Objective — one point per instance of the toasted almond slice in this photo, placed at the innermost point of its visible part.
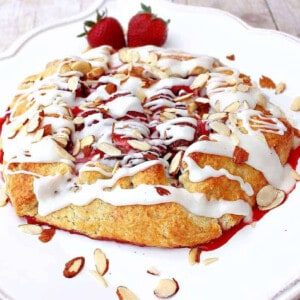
(166, 288)
(99, 277)
(34, 123)
(38, 135)
(125, 293)
(220, 128)
(217, 116)
(209, 260)
(175, 163)
(73, 83)
(139, 145)
(46, 235)
(78, 120)
(81, 66)
(101, 262)
(235, 140)
(261, 100)
(243, 88)
(109, 149)
(194, 255)
(202, 100)
(33, 229)
(280, 88)
(76, 148)
(61, 140)
(3, 197)
(64, 154)
(269, 197)
(153, 271)
(137, 134)
(183, 98)
(233, 107)
(73, 267)
(168, 115)
(295, 105)
(87, 141)
(200, 81)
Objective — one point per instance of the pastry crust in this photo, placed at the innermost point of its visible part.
(165, 113)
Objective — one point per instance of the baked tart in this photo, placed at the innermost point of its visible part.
(149, 146)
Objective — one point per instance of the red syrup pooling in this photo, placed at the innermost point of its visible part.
(257, 215)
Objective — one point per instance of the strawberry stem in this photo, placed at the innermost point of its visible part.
(87, 25)
(148, 10)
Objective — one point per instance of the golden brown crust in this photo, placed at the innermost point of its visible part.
(163, 224)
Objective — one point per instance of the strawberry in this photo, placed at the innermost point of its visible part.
(105, 31)
(145, 28)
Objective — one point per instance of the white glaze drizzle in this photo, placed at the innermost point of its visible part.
(113, 108)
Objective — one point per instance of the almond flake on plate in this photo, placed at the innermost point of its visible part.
(166, 288)
(209, 260)
(99, 277)
(101, 262)
(194, 255)
(31, 229)
(125, 293)
(73, 267)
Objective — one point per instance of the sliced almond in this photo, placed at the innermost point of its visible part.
(73, 267)
(95, 73)
(61, 140)
(33, 229)
(280, 88)
(162, 191)
(217, 116)
(78, 120)
(269, 197)
(47, 235)
(233, 107)
(38, 135)
(235, 140)
(261, 100)
(109, 149)
(99, 277)
(166, 288)
(87, 141)
(101, 262)
(200, 81)
(76, 148)
(194, 255)
(34, 123)
(166, 115)
(220, 128)
(81, 66)
(243, 88)
(176, 163)
(202, 100)
(64, 154)
(3, 197)
(183, 98)
(110, 88)
(73, 83)
(209, 260)
(125, 293)
(139, 145)
(153, 271)
(295, 105)
(266, 82)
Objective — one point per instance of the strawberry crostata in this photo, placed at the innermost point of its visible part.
(146, 145)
